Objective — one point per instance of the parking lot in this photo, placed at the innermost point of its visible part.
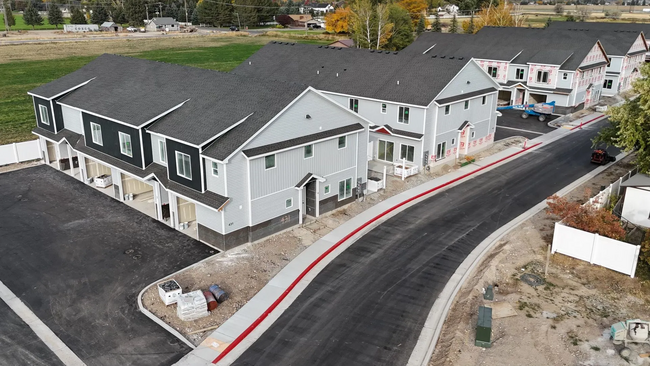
(511, 124)
(78, 259)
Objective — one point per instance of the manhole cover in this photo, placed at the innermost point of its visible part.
(531, 279)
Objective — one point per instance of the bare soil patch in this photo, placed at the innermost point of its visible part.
(564, 322)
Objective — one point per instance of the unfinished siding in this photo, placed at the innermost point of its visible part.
(72, 119)
(155, 149)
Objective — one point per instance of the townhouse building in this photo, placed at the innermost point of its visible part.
(423, 110)
(224, 158)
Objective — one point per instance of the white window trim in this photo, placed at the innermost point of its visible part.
(290, 204)
(178, 173)
(400, 152)
(383, 108)
(46, 120)
(523, 74)
(121, 135)
(409, 115)
(93, 135)
(304, 153)
(385, 143)
(344, 196)
(338, 144)
(275, 163)
(466, 105)
(212, 168)
(162, 151)
(444, 151)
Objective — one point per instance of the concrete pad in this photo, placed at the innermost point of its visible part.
(501, 309)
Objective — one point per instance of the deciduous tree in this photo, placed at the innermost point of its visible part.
(586, 218)
(384, 26)
(31, 16)
(415, 8)
(499, 15)
(558, 9)
(402, 28)
(338, 21)
(363, 23)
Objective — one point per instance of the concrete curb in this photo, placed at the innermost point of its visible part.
(433, 326)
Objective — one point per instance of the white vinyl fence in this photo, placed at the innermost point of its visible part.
(601, 200)
(596, 249)
(19, 152)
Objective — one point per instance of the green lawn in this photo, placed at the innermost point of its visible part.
(20, 24)
(16, 78)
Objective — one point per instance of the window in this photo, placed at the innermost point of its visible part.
(608, 84)
(183, 165)
(96, 132)
(309, 151)
(565, 76)
(288, 203)
(542, 76)
(125, 144)
(519, 74)
(407, 152)
(327, 189)
(492, 71)
(215, 169)
(342, 142)
(345, 189)
(484, 100)
(441, 150)
(385, 151)
(354, 105)
(269, 161)
(383, 108)
(403, 116)
(447, 108)
(466, 104)
(162, 150)
(45, 117)
(453, 142)
(473, 134)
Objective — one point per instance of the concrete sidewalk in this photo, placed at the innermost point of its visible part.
(258, 306)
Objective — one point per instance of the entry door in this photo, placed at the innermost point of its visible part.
(303, 197)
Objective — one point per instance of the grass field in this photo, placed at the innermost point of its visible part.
(28, 70)
(20, 24)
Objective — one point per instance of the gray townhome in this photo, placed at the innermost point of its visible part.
(530, 65)
(424, 110)
(225, 158)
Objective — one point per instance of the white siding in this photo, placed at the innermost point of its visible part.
(72, 119)
(215, 184)
(274, 205)
(155, 149)
(209, 218)
(236, 211)
(469, 79)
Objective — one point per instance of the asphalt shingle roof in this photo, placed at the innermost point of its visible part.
(404, 77)
(137, 91)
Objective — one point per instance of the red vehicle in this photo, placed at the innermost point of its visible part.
(601, 157)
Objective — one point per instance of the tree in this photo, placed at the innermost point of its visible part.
(11, 21)
(77, 16)
(195, 16)
(437, 26)
(586, 217)
(214, 13)
(630, 123)
(55, 16)
(570, 18)
(338, 21)
(362, 23)
(415, 8)
(171, 11)
(118, 15)
(500, 15)
(453, 28)
(135, 12)
(402, 28)
(559, 9)
(548, 22)
(99, 15)
(31, 16)
(469, 27)
(645, 248)
(613, 14)
(384, 26)
(583, 14)
(421, 26)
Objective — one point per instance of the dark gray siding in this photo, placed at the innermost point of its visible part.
(58, 116)
(172, 147)
(111, 141)
(46, 103)
(146, 143)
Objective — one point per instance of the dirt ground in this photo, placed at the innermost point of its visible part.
(12, 167)
(563, 322)
(243, 271)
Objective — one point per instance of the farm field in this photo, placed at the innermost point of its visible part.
(24, 67)
(20, 23)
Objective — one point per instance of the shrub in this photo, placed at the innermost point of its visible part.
(586, 218)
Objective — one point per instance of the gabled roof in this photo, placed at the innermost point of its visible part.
(164, 20)
(106, 24)
(616, 38)
(207, 102)
(408, 78)
(637, 180)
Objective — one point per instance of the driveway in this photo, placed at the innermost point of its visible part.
(368, 306)
(511, 124)
(78, 259)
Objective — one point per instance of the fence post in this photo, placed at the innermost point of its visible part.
(635, 261)
(593, 248)
(15, 152)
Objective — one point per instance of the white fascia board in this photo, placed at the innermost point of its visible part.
(174, 139)
(472, 97)
(302, 145)
(63, 92)
(163, 114)
(392, 134)
(99, 115)
(537, 63)
(373, 99)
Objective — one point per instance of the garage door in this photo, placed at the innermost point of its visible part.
(186, 211)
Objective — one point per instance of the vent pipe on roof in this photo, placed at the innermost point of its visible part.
(250, 63)
(337, 74)
(397, 82)
(317, 72)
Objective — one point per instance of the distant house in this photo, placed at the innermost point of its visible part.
(636, 204)
(79, 28)
(293, 20)
(345, 43)
(320, 9)
(110, 27)
(162, 24)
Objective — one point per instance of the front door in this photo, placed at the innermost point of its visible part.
(303, 197)
(310, 202)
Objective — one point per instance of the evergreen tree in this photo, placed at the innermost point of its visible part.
(55, 16)
(171, 11)
(402, 28)
(471, 28)
(11, 21)
(215, 13)
(548, 22)
(437, 26)
(195, 16)
(421, 26)
(77, 17)
(31, 16)
(454, 25)
(135, 12)
(99, 15)
(118, 16)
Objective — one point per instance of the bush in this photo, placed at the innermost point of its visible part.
(644, 255)
(586, 218)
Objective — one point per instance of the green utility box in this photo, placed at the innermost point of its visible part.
(484, 327)
(489, 293)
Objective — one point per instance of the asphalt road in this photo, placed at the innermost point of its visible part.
(368, 306)
(78, 259)
(511, 124)
(19, 345)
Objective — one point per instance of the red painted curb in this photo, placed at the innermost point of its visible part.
(248, 330)
(591, 120)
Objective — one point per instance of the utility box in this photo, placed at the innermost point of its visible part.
(489, 293)
(484, 327)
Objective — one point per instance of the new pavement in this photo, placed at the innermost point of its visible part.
(368, 306)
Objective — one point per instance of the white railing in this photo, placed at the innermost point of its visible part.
(19, 152)
(405, 170)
